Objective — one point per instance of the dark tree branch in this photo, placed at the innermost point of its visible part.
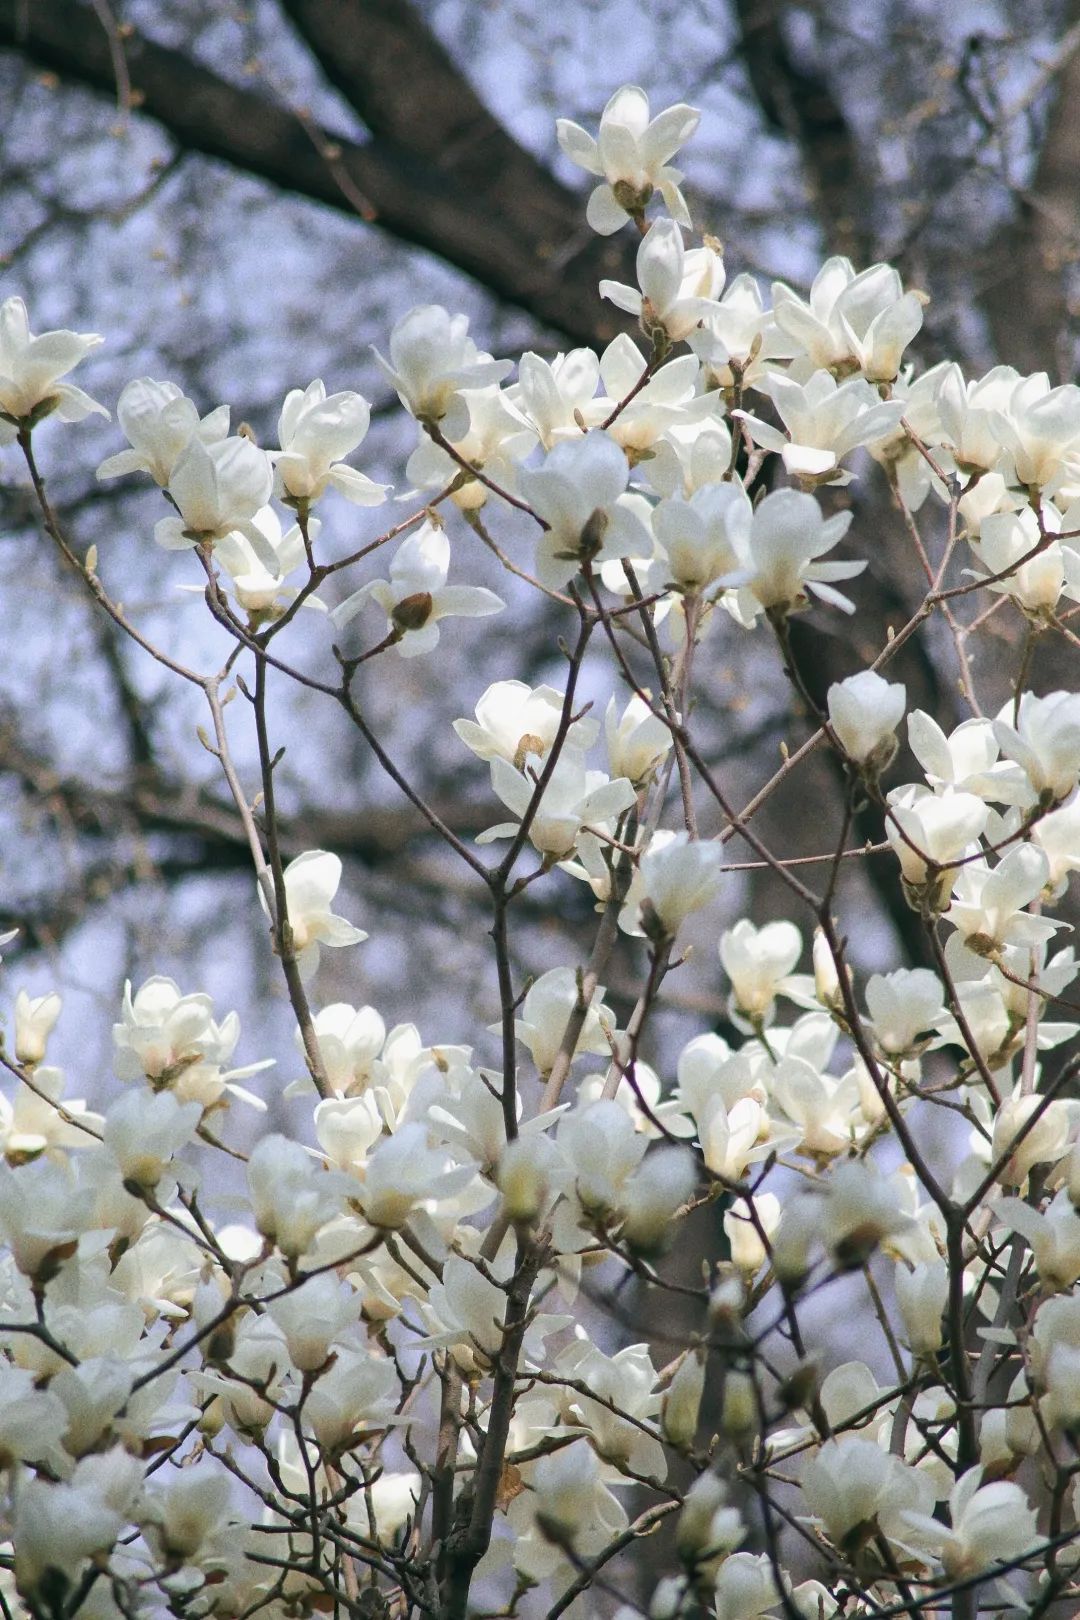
(523, 237)
(1027, 274)
(796, 98)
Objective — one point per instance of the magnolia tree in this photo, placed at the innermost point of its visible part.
(378, 1377)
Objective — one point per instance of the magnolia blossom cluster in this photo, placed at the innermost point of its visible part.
(375, 1375)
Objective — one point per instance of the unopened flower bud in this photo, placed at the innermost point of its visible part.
(682, 1402)
(727, 1302)
(826, 978)
(746, 1237)
(708, 1528)
(791, 1249)
(922, 1295)
(668, 1598)
(739, 1412)
(522, 1179)
(864, 712)
(1044, 1141)
(654, 1194)
(1071, 1169)
(35, 1019)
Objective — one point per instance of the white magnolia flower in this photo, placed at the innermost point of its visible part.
(43, 1210)
(678, 287)
(568, 1507)
(904, 462)
(653, 1196)
(990, 1524)
(970, 412)
(144, 1131)
(356, 1393)
(667, 401)
(632, 155)
(573, 798)
(416, 596)
(257, 579)
(259, 1360)
(44, 1120)
(291, 1197)
(988, 904)
(856, 1210)
(966, 759)
(695, 537)
(852, 322)
(32, 1420)
(311, 882)
(316, 433)
(638, 741)
(189, 1511)
(625, 1381)
(30, 369)
(390, 1501)
(347, 1129)
(1058, 836)
(708, 1527)
(350, 1040)
(903, 1006)
(173, 1040)
(1046, 1129)
(498, 438)
(558, 397)
(739, 336)
(313, 1316)
(35, 1020)
(852, 1484)
(467, 1309)
(432, 358)
(93, 1393)
(527, 1170)
(515, 722)
(825, 420)
(1044, 742)
(824, 1109)
(217, 487)
(922, 1293)
(1036, 585)
(1053, 1235)
(745, 1588)
(778, 544)
(604, 1151)
(747, 1238)
(757, 960)
(159, 422)
(932, 829)
(404, 1172)
(576, 493)
(678, 877)
(58, 1525)
(989, 494)
(1040, 427)
(864, 711)
(546, 1011)
(732, 1135)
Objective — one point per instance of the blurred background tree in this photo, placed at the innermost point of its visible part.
(242, 198)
